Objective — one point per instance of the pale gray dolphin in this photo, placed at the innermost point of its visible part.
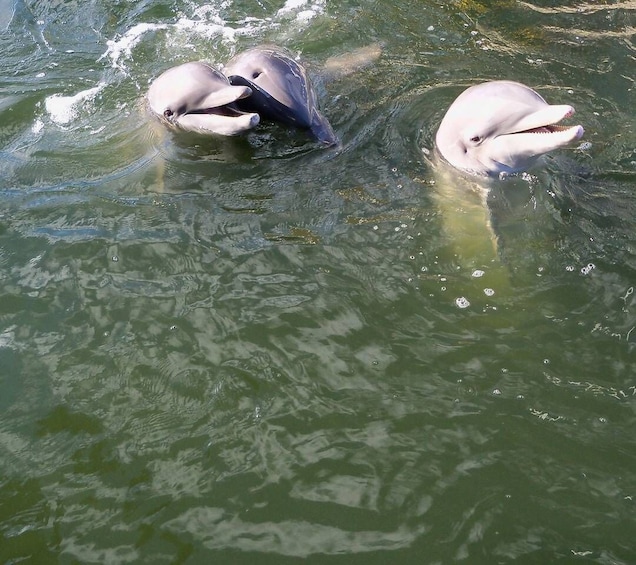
(501, 127)
(196, 97)
(281, 90)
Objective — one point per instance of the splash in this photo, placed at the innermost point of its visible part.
(303, 10)
(121, 48)
(206, 22)
(63, 109)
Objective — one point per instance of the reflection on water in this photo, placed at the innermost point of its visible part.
(256, 348)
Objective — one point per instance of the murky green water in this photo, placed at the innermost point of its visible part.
(252, 350)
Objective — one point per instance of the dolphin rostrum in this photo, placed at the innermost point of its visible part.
(281, 90)
(501, 127)
(196, 97)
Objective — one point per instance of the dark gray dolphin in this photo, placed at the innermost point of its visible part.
(281, 90)
(196, 97)
(502, 127)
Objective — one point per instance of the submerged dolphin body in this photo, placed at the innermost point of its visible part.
(501, 127)
(281, 90)
(196, 97)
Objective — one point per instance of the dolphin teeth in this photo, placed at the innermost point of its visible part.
(550, 128)
(228, 110)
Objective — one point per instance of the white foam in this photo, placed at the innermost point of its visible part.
(63, 109)
(208, 30)
(305, 10)
(122, 47)
(37, 126)
(206, 22)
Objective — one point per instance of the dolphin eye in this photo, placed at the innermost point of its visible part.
(167, 113)
(256, 74)
(475, 139)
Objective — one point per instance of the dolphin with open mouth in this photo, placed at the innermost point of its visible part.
(502, 127)
(281, 90)
(196, 97)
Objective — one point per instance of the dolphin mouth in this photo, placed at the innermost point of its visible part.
(225, 102)
(230, 110)
(531, 136)
(546, 121)
(550, 128)
(220, 113)
(572, 132)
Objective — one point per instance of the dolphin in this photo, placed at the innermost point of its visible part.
(196, 97)
(501, 127)
(281, 90)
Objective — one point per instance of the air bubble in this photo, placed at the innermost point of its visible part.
(489, 291)
(588, 268)
(462, 302)
(477, 273)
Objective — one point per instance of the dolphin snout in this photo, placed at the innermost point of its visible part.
(254, 120)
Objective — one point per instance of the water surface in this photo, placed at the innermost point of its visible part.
(258, 349)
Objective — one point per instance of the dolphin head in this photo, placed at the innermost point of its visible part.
(501, 127)
(196, 97)
(281, 90)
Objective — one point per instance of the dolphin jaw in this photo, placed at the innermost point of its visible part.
(541, 139)
(217, 113)
(545, 120)
(532, 136)
(218, 122)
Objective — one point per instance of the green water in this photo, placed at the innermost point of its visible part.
(257, 350)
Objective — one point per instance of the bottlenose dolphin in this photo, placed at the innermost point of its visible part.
(501, 127)
(196, 97)
(281, 90)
